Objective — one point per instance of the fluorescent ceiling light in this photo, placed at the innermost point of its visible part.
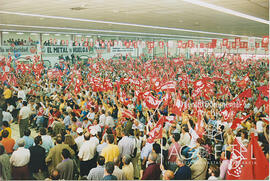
(67, 35)
(112, 31)
(88, 36)
(5, 32)
(46, 34)
(57, 34)
(19, 33)
(33, 34)
(116, 23)
(79, 35)
(178, 37)
(227, 11)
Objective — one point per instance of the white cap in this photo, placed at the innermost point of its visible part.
(93, 132)
(79, 130)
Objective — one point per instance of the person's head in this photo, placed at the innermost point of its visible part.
(116, 161)
(168, 175)
(152, 157)
(100, 160)
(109, 168)
(59, 139)
(80, 131)
(86, 136)
(2, 149)
(43, 131)
(214, 170)
(38, 140)
(55, 174)
(24, 103)
(176, 137)
(126, 159)
(65, 153)
(184, 128)
(27, 132)
(226, 155)
(69, 140)
(5, 124)
(156, 148)
(110, 138)
(5, 134)
(21, 142)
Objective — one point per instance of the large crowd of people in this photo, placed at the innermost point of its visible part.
(132, 119)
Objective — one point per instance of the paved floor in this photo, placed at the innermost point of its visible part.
(16, 134)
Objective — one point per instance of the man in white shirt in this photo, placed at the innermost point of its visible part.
(109, 121)
(7, 116)
(19, 160)
(87, 153)
(102, 118)
(95, 126)
(21, 93)
(23, 120)
(91, 114)
(80, 139)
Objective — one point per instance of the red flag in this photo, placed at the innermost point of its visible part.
(199, 127)
(247, 93)
(156, 132)
(238, 155)
(260, 102)
(128, 114)
(152, 102)
(228, 114)
(264, 90)
(244, 81)
(257, 166)
(239, 121)
(169, 86)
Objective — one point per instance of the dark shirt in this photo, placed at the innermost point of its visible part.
(110, 177)
(183, 173)
(152, 172)
(37, 158)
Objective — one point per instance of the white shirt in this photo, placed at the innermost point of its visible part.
(109, 121)
(21, 94)
(95, 127)
(7, 116)
(88, 149)
(194, 138)
(79, 141)
(25, 112)
(91, 115)
(259, 126)
(102, 119)
(20, 157)
(10, 108)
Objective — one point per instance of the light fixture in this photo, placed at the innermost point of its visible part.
(227, 11)
(88, 36)
(67, 35)
(46, 34)
(118, 23)
(79, 35)
(20, 33)
(5, 32)
(57, 34)
(33, 34)
(112, 31)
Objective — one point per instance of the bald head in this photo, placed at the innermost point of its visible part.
(168, 175)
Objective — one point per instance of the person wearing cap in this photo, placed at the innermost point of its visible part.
(79, 140)
(87, 153)
(19, 161)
